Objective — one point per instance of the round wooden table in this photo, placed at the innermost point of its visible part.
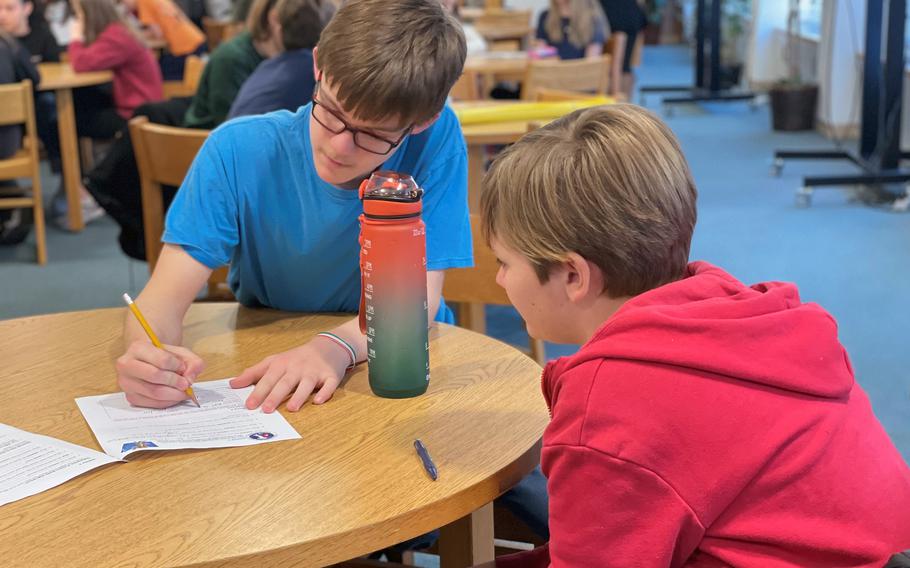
(351, 485)
(60, 78)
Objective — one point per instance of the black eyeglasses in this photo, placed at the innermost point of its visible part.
(332, 121)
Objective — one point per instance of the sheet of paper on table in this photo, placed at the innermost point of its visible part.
(31, 463)
(222, 421)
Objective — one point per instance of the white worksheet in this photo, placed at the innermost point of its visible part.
(222, 421)
(31, 463)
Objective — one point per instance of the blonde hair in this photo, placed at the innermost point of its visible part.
(392, 58)
(585, 15)
(257, 20)
(609, 183)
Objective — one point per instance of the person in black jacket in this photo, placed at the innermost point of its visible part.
(15, 66)
(24, 21)
(626, 16)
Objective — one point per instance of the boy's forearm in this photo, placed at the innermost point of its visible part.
(167, 327)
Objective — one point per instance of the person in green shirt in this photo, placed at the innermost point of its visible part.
(231, 64)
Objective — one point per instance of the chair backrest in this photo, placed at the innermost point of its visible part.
(465, 88)
(17, 107)
(15, 100)
(164, 155)
(192, 72)
(498, 19)
(477, 284)
(590, 75)
(217, 32)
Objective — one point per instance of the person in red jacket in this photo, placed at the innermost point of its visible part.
(101, 40)
(703, 422)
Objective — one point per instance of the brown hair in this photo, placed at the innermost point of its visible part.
(585, 16)
(257, 21)
(609, 183)
(97, 15)
(392, 58)
(302, 21)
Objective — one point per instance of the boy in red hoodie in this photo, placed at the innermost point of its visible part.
(703, 422)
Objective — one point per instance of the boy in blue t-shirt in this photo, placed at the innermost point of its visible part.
(275, 196)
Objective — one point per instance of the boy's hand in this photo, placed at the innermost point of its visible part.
(156, 378)
(316, 366)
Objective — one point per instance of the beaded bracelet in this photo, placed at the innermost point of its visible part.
(341, 343)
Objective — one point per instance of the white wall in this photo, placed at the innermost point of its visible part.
(839, 68)
(765, 62)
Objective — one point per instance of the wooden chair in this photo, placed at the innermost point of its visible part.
(473, 288)
(17, 107)
(466, 88)
(589, 75)
(217, 32)
(504, 30)
(164, 155)
(192, 73)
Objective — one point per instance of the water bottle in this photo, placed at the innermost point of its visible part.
(393, 293)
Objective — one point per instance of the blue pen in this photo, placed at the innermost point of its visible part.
(426, 459)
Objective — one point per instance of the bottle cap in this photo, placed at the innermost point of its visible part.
(390, 185)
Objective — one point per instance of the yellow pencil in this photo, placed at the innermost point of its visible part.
(148, 331)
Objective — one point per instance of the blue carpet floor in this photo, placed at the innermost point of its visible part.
(851, 258)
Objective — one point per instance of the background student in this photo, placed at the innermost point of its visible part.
(22, 20)
(232, 63)
(703, 422)
(163, 19)
(286, 81)
(100, 40)
(625, 16)
(15, 66)
(576, 28)
(114, 181)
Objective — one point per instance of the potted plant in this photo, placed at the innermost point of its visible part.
(793, 101)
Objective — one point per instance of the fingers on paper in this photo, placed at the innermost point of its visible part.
(143, 393)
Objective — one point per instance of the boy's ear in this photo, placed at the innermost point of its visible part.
(582, 278)
(315, 66)
(424, 125)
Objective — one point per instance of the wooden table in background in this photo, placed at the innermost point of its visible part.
(351, 485)
(60, 78)
(478, 136)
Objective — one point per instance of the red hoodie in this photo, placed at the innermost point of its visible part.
(137, 77)
(706, 424)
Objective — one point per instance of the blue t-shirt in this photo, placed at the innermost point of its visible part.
(285, 81)
(565, 48)
(252, 198)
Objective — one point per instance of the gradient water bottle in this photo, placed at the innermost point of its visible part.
(393, 295)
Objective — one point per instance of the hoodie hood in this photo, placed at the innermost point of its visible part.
(709, 322)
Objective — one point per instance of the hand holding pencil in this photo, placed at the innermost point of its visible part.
(155, 375)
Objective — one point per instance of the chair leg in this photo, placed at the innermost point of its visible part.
(38, 211)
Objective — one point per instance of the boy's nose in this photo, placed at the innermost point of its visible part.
(343, 144)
